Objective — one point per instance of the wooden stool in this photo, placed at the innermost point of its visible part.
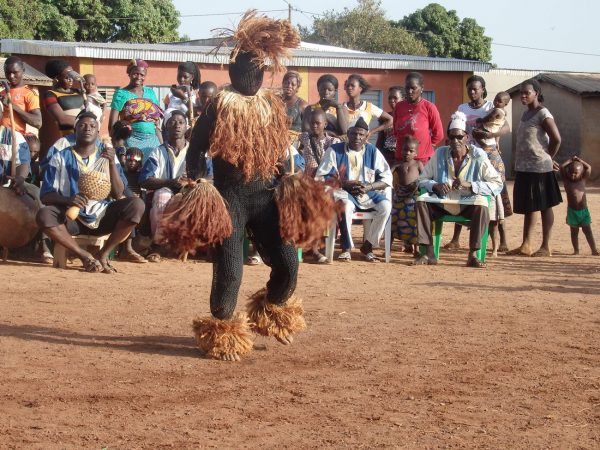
(83, 240)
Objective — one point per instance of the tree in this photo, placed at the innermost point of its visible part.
(363, 28)
(446, 35)
(148, 21)
(19, 20)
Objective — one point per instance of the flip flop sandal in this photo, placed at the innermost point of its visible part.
(320, 258)
(344, 256)
(108, 267)
(370, 257)
(133, 257)
(153, 258)
(424, 261)
(92, 265)
(253, 260)
(476, 264)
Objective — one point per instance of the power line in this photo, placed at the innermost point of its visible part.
(545, 49)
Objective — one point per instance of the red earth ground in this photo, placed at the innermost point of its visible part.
(394, 356)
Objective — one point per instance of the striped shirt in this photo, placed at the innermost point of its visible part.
(62, 177)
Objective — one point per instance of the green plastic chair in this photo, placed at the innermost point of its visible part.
(438, 224)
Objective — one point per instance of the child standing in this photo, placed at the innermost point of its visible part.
(574, 172)
(405, 174)
(120, 132)
(95, 101)
(206, 92)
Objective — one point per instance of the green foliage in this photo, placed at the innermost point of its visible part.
(147, 21)
(446, 35)
(18, 20)
(363, 28)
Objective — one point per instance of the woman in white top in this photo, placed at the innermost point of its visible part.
(477, 108)
(354, 86)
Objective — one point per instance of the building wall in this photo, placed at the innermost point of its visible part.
(567, 111)
(590, 134)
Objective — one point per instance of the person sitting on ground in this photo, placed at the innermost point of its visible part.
(457, 179)
(95, 103)
(60, 191)
(405, 175)
(365, 175)
(494, 120)
(164, 172)
(25, 100)
(574, 173)
(132, 165)
(337, 115)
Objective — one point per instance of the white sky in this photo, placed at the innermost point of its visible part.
(552, 24)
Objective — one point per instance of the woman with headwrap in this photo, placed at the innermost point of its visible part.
(62, 101)
(138, 105)
(244, 130)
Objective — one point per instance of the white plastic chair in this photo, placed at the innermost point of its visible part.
(364, 216)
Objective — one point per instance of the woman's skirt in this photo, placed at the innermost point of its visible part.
(146, 142)
(500, 206)
(535, 192)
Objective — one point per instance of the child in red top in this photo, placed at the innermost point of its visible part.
(417, 117)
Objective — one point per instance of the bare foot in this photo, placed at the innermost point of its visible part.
(230, 357)
(523, 250)
(542, 252)
(595, 252)
(452, 245)
(576, 252)
(494, 253)
(503, 248)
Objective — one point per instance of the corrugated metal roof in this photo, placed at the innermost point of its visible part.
(31, 76)
(583, 84)
(202, 54)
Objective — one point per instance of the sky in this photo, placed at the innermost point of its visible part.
(552, 24)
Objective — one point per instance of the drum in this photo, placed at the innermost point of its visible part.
(17, 219)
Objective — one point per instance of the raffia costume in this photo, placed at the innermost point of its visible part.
(244, 131)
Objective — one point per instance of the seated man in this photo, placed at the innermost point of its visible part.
(164, 172)
(365, 175)
(458, 178)
(60, 191)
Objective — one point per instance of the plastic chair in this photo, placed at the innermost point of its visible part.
(438, 224)
(360, 215)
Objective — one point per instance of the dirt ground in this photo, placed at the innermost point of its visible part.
(394, 356)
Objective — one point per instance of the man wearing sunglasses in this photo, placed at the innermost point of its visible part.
(458, 179)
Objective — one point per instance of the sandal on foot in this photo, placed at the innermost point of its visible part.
(424, 261)
(344, 256)
(153, 257)
(92, 265)
(320, 258)
(254, 260)
(132, 257)
(107, 267)
(474, 262)
(370, 257)
(452, 246)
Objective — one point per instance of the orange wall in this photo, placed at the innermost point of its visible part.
(448, 86)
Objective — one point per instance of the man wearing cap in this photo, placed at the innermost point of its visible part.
(365, 177)
(458, 179)
(60, 191)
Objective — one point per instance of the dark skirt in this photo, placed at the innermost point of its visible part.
(535, 192)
